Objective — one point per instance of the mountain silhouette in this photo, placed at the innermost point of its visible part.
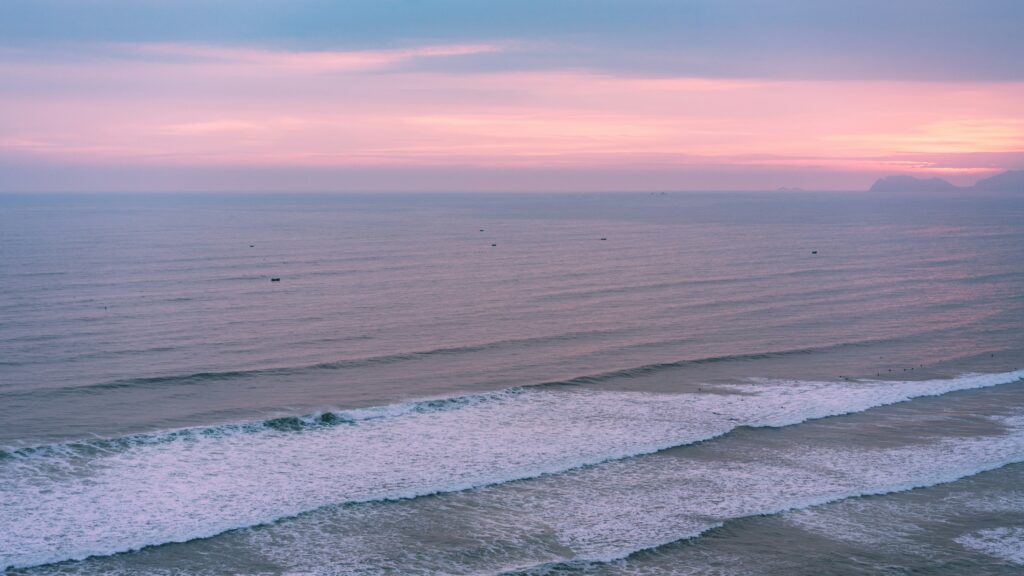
(1009, 181)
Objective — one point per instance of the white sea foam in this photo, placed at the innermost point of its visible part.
(609, 512)
(58, 507)
(1006, 543)
(906, 523)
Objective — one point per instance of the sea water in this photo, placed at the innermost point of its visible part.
(692, 383)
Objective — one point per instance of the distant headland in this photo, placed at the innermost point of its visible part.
(1009, 181)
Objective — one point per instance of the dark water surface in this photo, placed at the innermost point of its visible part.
(484, 384)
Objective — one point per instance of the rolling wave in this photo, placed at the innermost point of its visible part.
(591, 565)
(308, 422)
(384, 359)
(201, 482)
(591, 516)
(199, 378)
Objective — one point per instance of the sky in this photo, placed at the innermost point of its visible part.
(459, 95)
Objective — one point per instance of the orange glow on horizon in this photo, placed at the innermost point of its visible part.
(209, 106)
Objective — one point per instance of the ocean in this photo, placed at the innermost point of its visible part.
(686, 383)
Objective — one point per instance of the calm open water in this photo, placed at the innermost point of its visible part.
(766, 384)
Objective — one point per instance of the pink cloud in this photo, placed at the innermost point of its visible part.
(196, 105)
(306, 61)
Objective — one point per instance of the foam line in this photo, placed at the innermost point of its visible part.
(999, 543)
(72, 501)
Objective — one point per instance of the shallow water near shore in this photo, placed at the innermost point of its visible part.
(621, 384)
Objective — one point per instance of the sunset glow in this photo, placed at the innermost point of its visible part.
(230, 106)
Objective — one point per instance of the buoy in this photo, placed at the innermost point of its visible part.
(814, 251)
(493, 244)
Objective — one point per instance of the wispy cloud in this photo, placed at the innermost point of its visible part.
(208, 106)
(949, 136)
(307, 61)
(208, 127)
